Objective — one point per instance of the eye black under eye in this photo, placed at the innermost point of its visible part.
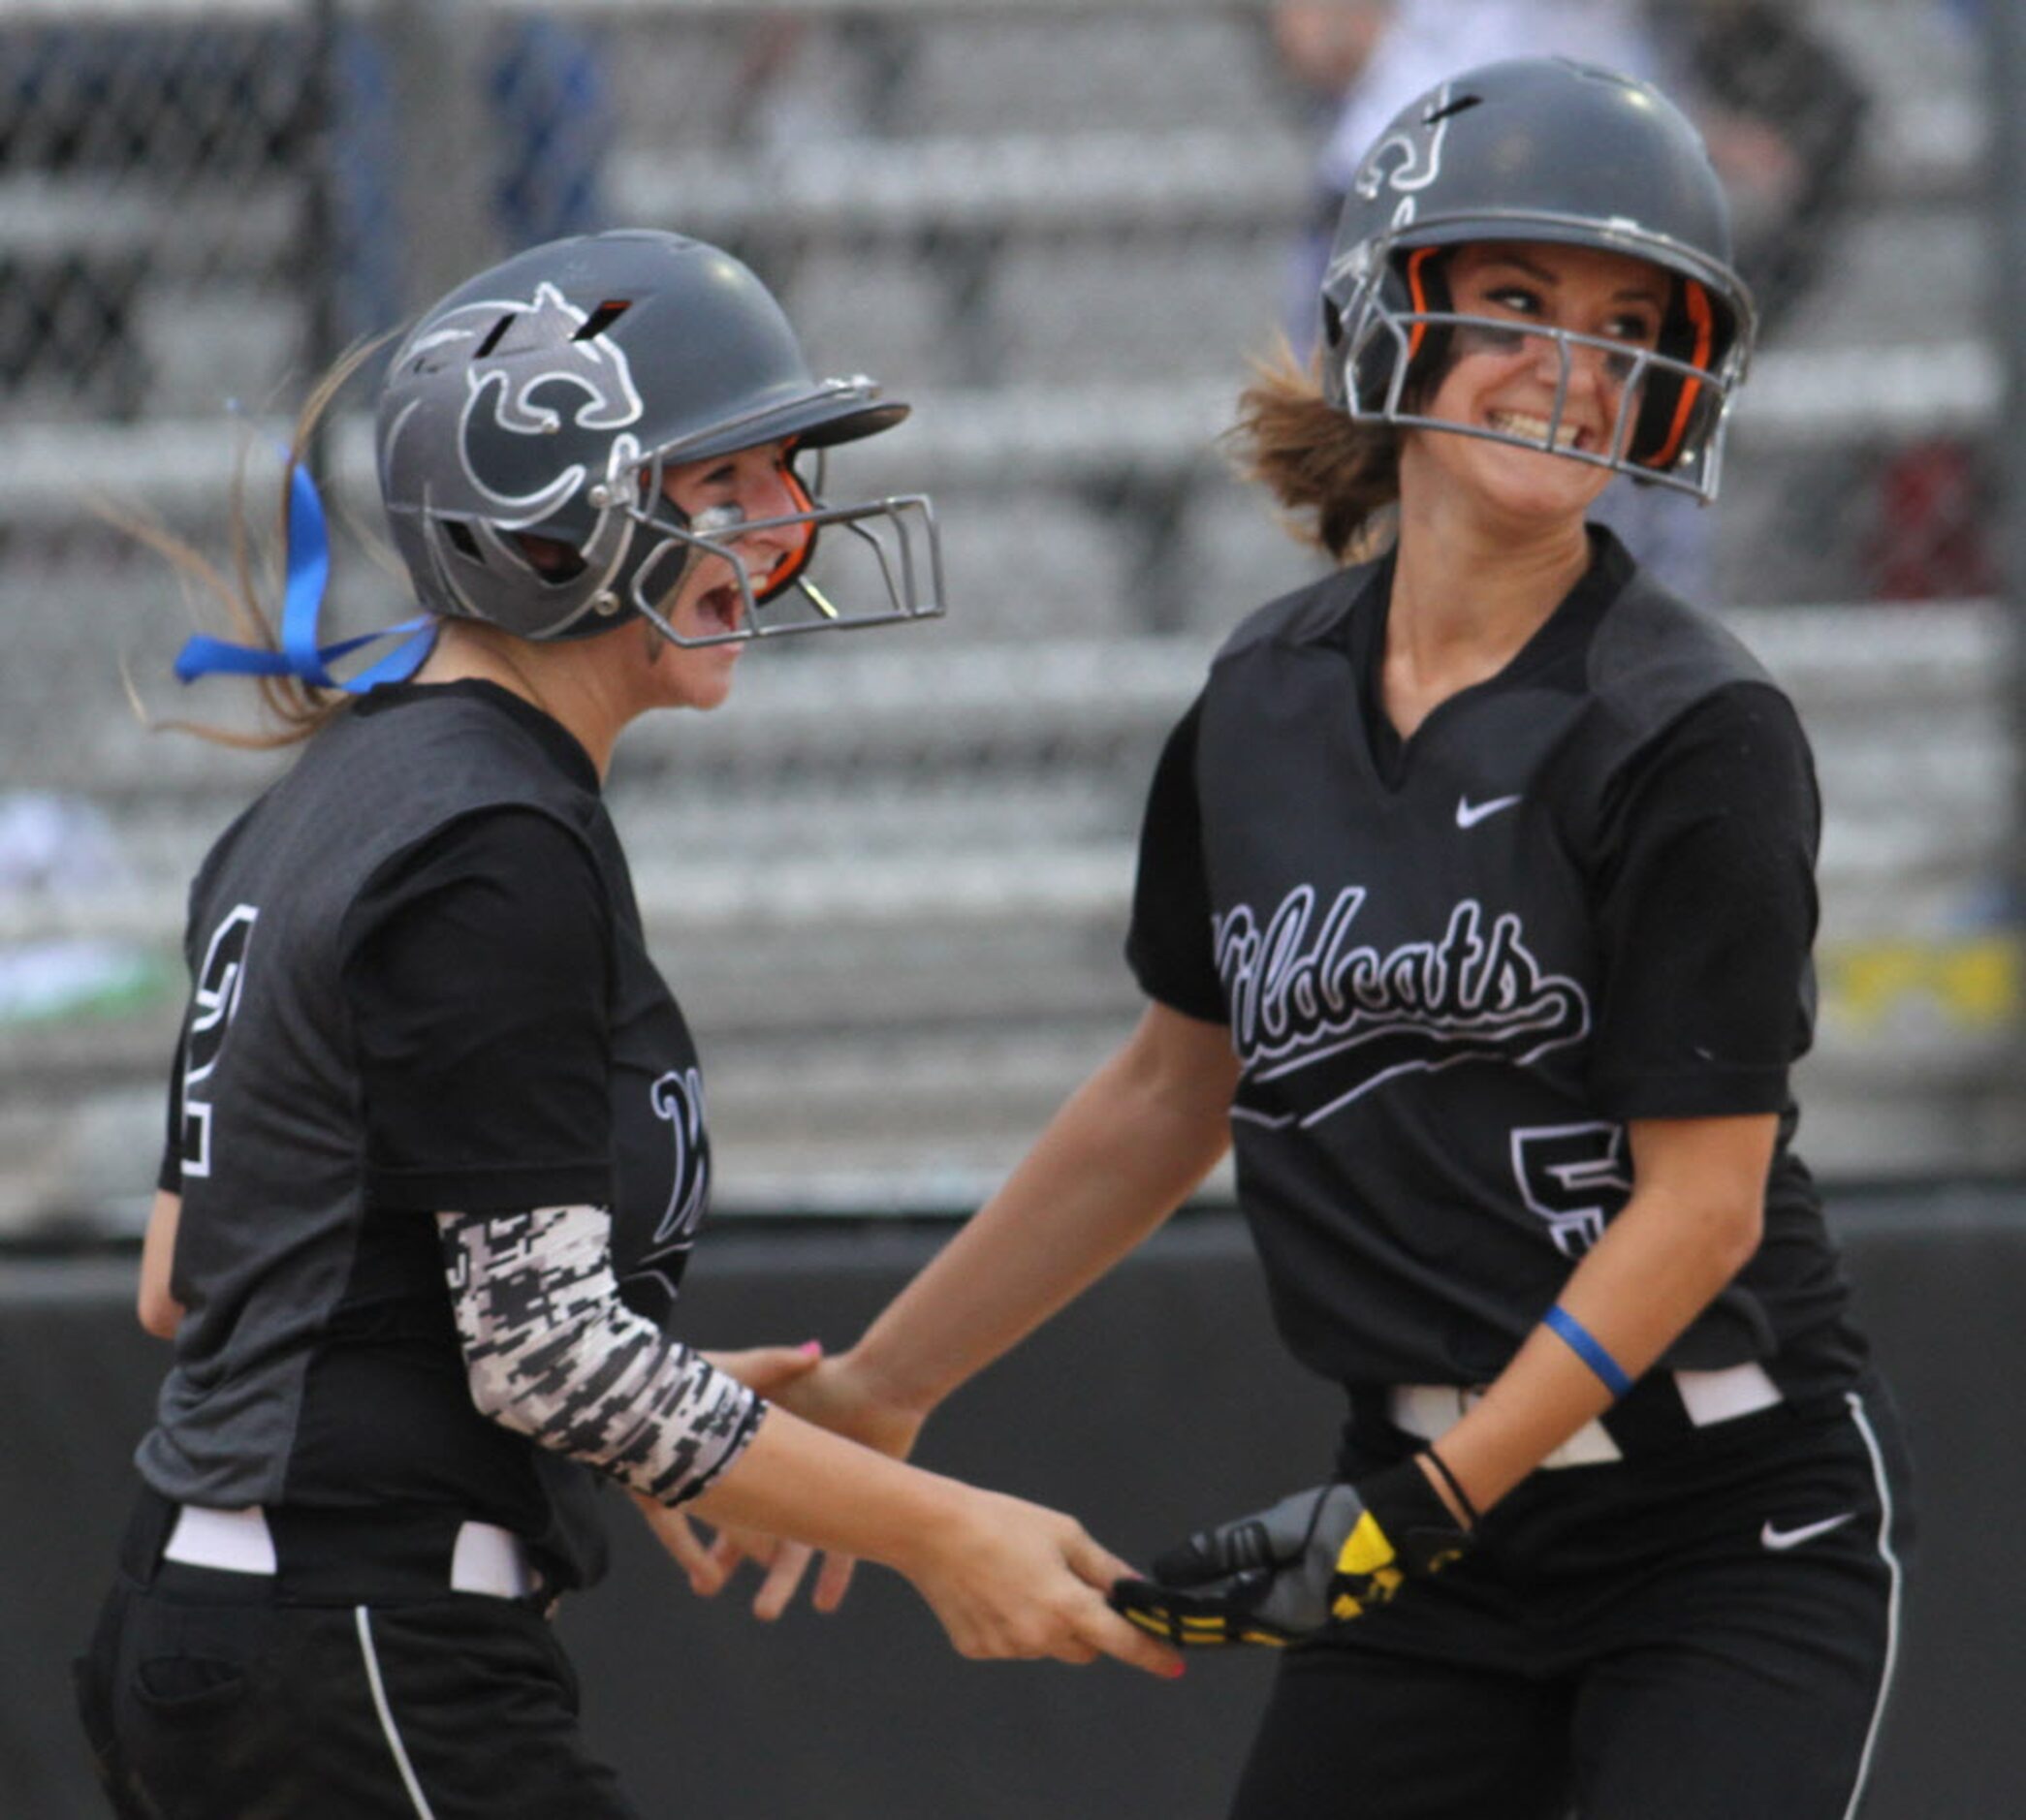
(1485, 337)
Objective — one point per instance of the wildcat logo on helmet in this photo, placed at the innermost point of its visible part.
(1409, 157)
(530, 356)
(1318, 1021)
(529, 424)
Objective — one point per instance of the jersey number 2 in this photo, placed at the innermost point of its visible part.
(211, 1008)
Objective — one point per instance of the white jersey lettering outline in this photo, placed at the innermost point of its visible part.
(1300, 992)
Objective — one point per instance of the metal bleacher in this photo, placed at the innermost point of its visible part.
(889, 882)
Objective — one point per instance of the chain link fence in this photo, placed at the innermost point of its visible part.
(890, 881)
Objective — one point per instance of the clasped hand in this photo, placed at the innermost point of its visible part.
(820, 1390)
(1006, 1579)
(1322, 1556)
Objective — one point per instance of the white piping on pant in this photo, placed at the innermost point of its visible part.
(1893, 1572)
(363, 1621)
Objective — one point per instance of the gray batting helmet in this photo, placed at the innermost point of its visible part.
(543, 399)
(1541, 149)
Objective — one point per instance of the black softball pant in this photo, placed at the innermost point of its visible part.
(204, 1699)
(1704, 1635)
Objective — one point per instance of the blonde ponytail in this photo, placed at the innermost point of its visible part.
(299, 710)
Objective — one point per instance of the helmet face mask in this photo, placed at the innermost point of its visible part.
(1392, 367)
(898, 533)
(528, 421)
(1550, 152)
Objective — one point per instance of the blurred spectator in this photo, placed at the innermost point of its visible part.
(552, 115)
(545, 103)
(1783, 114)
(1929, 535)
(148, 113)
(1788, 110)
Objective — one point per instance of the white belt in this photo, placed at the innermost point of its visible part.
(1431, 1410)
(486, 1558)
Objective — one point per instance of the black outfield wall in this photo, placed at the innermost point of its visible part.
(1158, 1401)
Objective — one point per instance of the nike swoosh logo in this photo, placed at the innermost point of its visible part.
(1468, 814)
(1772, 1538)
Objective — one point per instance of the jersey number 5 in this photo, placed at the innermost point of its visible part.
(1575, 1176)
(211, 1008)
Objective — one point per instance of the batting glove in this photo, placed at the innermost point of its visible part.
(1320, 1557)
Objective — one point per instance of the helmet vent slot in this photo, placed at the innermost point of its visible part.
(461, 536)
(1463, 103)
(602, 318)
(493, 334)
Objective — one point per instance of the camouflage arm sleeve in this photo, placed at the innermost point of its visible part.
(551, 1352)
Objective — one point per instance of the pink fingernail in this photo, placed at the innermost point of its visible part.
(810, 1349)
(1176, 1672)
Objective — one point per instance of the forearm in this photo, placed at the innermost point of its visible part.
(1679, 1238)
(1004, 1577)
(551, 1352)
(155, 1303)
(795, 1480)
(1122, 1153)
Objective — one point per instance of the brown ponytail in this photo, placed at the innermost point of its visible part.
(1334, 479)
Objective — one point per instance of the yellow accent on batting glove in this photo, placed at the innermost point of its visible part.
(1282, 1575)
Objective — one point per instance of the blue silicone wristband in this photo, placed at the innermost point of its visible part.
(1588, 1348)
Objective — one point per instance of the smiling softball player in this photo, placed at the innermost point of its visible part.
(1474, 910)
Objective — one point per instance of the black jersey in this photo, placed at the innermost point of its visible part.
(353, 1062)
(1453, 968)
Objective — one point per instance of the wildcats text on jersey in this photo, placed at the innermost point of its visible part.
(1318, 1019)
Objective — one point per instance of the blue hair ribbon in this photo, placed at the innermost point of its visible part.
(308, 576)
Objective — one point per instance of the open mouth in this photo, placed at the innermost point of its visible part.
(1534, 430)
(720, 609)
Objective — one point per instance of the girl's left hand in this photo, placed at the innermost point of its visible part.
(770, 1370)
(711, 1565)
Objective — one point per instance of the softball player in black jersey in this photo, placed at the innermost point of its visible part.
(437, 1150)
(1474, 909)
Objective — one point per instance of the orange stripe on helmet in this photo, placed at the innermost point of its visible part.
(1417, 295)
(791, 565)
(1704, 320)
